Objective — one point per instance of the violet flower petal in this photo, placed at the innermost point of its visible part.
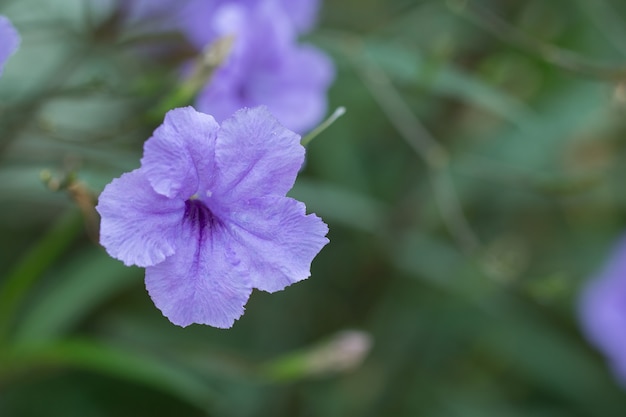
(303, 13)
(280, 241)
(296, 94)
(603, 311)
(204, 21)
(222, 97)
(205, 282)
(138, 226)
(180, 153)
(255, 156)
(9, 40)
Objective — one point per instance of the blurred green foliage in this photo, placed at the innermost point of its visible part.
(473, 186)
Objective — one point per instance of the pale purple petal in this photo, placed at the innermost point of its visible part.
(294, 89)
(255, 156)
(303, 13)
(139, 226)
(221, 97)
(296, 94)
(205, 282)
(9, 40)
(178, 158)
(603, 310)
(267, 67)
(204, 21)
(280, 241)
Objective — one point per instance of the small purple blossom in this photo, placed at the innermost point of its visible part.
(9, 40)
(603, 311)
(207, 216)
(267, 67)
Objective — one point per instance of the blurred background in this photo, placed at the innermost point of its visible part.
(473, 187)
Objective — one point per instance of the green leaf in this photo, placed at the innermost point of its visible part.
(33, 264)
(94, 356)
(80, 287)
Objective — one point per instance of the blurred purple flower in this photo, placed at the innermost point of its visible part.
(9, 40)
(206, 214)
(196, 17)
(303, 13)
(603, 311)
(267, 67)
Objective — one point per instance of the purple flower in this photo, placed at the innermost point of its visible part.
(267, 67)
(9, 40)
(603, 311)
(196, 17)
(206, 214)
(303, 13)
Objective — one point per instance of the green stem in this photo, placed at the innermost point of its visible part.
(325, 124)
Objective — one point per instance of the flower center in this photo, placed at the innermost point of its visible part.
(199, 215)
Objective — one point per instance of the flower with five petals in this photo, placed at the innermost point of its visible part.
(207, 214)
